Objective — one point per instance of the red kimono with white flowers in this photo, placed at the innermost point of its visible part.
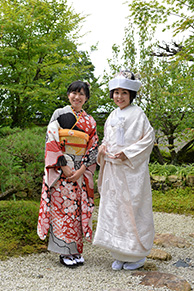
(66, 207)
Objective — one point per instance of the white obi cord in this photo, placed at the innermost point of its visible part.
(119, 123)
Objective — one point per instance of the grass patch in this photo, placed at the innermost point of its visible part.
(18, 223)
(176, 200)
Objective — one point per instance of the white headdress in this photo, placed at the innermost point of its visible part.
(123, 80)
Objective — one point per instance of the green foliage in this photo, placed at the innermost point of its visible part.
(93, 105)
(169, 169)
(165, 157)
(167, 72)
(4, 131)
(18, 224)
(22, 162)
(169, 108)
(39, 59)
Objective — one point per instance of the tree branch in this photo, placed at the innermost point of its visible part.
(181, 2)
(7, 193)
(186, 147)
(170, 51)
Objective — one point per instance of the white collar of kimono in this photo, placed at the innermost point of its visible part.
(119, 122)
(124, 83)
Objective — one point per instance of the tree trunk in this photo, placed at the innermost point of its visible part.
(173, 154)
(158, 154)
(16, 112)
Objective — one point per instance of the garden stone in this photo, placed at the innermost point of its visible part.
(149, 266)
(159, 178)
(182, 263)
(157, 254)
(158, 280)
(167, 240)
(173, 178)
(190, 180)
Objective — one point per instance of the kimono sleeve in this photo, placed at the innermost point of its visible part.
(92, 147)
(140, 151)
(54, 156)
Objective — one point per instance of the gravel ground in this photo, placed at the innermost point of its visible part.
(44, 272)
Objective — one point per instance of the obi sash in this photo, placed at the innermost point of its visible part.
(73, 141)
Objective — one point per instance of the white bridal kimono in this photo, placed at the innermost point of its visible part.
(125, 221)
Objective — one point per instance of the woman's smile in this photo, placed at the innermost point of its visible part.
(121, 97)
(77, 99)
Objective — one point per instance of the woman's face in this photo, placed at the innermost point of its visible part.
(77, 99)
(121, 97)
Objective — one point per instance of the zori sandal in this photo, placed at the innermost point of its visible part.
(68, 261)
(79, 259)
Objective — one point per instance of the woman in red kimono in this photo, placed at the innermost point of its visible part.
(67, 195)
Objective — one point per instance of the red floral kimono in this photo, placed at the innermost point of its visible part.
(66, 207)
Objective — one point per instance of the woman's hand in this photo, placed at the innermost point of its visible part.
(102, 150)
(121, 156)
(77, 174)
(67, 171)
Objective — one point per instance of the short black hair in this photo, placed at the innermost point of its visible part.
(132, 94)
(77, 86)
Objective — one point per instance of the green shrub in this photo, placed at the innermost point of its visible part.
(6, 130)
(18, 224)
(165, 154)
(169, 169)
(22, 162)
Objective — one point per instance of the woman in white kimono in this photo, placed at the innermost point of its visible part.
(125, 222)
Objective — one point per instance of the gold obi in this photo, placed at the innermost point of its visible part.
(73, 141)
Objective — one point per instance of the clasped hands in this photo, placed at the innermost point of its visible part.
(73, 176)
(120, 155)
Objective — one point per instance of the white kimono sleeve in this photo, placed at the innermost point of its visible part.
(140, 151)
